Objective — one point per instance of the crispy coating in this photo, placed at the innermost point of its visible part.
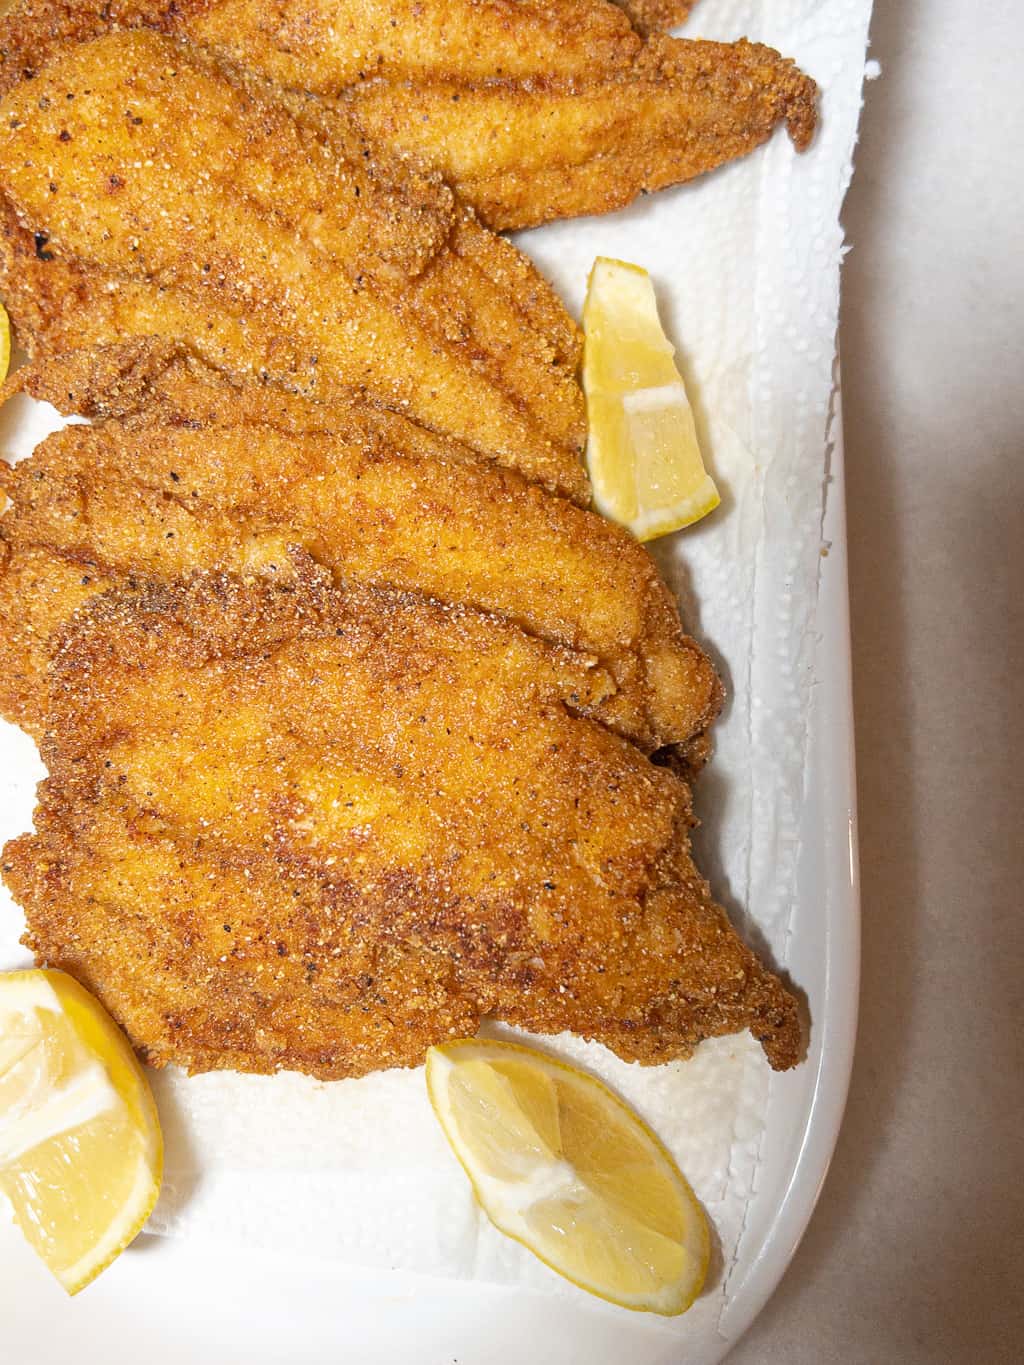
(675, 110)
(656, 16)
(204, 476)
(38, 593)
(148, 195)
(531, 109)
(290, 826)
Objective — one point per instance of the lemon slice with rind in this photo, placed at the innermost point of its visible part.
(81, 1153)
(643, 455)
(559, 1163)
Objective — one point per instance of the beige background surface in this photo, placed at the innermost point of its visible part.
(914, 1253)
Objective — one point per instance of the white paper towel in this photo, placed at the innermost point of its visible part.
(746, 265)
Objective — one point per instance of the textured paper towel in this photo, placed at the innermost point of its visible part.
(746, 264)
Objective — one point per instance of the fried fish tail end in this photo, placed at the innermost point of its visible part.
(671, 110)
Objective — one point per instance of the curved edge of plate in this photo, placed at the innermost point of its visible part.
(797, 1155)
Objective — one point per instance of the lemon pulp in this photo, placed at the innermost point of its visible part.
(558, 1162)
(643, 455)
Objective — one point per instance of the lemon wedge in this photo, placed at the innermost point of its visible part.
(80, 1147)
(645, 463)
(561, 1165)
(5, 343)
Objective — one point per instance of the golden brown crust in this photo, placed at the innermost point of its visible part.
(273, 251)
(296, 827)
(196, 474)
(656, 16)
(679, 109)
(531, 111)
(38, 593)
(299, 815)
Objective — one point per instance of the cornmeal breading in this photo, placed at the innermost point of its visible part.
(530, 109)
(297, 826)
(148, 195)
(198, 475)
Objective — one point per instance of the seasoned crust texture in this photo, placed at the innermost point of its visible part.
(146, 194)
(196, 474)
(530, 109)
(303, 827)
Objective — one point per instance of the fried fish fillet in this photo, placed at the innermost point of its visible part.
(207, 476)
(148, 195)
(292, 826)
(531, 109)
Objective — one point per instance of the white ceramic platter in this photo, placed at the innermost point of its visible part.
(166, 1301)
